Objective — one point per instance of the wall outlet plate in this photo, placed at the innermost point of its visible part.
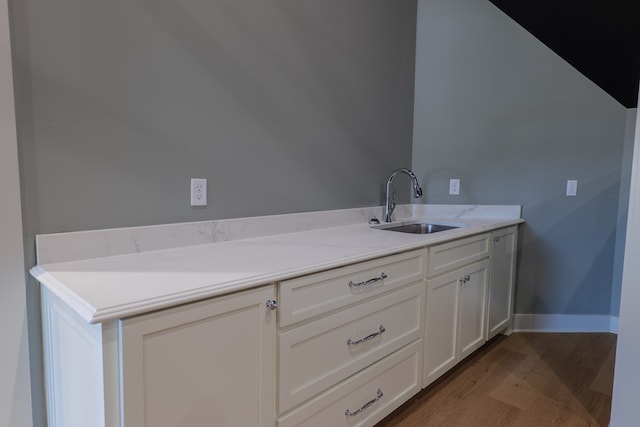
(454, 187)
(572, 187)
(198, 192)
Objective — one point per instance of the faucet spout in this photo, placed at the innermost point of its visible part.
(390, 200)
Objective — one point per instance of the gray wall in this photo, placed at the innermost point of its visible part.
(623, 205)
(284, 106)
(624, 411)
(15, 391)
(497, 109)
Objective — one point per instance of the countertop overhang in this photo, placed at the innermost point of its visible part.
(114, 287)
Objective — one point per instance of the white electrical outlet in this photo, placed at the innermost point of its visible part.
(572, 187)
(198, 192)
(454, 187)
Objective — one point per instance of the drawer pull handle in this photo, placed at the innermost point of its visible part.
(381, 329)
(272, 304)
(379, 395)
(367, 282)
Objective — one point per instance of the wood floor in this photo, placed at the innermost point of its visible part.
(525, 379)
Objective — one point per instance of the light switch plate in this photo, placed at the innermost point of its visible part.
(198, 192)
(454, 187)
(572, 187)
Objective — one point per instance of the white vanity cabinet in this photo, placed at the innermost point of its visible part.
(345, 346)
(199, 364)
(350, 342)
(501, 285)
(456, 303)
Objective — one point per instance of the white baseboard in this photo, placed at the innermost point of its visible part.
(565, 323)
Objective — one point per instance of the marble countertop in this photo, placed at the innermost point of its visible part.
(121, 285)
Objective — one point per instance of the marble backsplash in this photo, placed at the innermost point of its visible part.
(72, 246)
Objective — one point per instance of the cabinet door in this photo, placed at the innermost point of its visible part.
(500, 300)
(471, 308)
(441, 326)
(455, 318)
(202, 364)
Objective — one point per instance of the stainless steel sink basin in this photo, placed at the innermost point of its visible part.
(418, 227)
(421, 228)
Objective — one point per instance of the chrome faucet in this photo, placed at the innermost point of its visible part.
(390, 197)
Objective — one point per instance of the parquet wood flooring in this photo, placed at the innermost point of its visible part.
(526, 379)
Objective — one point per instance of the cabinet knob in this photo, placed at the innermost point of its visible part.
(272, 304)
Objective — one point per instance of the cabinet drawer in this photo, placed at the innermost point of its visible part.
(451, 255)
(316, 294)
(318, 355)
(397, 377)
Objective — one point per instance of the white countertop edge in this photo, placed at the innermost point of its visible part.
(97, 315)
(94, 314)
(123, 311)
(79, 305)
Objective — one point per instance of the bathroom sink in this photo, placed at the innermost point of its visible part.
(418, 227)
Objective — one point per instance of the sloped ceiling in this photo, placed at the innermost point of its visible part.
(600, 38)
